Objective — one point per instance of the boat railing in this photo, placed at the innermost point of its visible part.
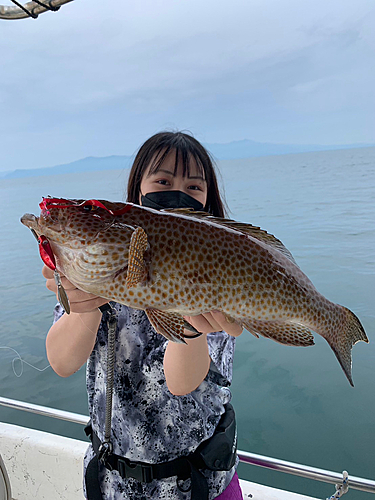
(305, 471)
(29, 9)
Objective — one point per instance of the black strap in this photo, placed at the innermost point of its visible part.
(92, 480)
(216, 453)
(183, 468)
(199, 486)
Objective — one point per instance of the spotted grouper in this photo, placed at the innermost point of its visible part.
(177, 263)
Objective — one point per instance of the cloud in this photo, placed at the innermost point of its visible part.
(254, 70)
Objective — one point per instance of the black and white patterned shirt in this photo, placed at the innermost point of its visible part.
(149, 424)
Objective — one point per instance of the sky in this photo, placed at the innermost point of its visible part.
(98, 78)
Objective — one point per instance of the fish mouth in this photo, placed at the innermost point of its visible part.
(30, 221)
(39, 224)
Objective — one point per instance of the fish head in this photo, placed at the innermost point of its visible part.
(87, 240)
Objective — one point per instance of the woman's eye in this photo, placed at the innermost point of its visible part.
(163, 182)
(195, 188)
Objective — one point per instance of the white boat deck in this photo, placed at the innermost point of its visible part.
(46, 466)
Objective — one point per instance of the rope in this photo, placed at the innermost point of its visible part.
(342, 488)
(28, 12)
(48, 7)
(29, 9)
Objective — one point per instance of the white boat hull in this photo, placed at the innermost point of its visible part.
(45, 466)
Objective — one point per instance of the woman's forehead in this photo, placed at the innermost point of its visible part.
(176, 163)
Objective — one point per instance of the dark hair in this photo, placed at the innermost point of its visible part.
(157, 148)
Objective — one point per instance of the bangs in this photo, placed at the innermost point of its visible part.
(183, 154)
(193, 157)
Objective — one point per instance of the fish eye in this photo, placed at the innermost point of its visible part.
(89, 208)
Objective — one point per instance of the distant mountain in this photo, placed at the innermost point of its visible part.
(5, 173)
(85, 165)
(228, 151)
(246, 149)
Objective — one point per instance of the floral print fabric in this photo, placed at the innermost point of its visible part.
(149, 424)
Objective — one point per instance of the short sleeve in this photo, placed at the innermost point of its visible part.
(221, 350)
(58, 311)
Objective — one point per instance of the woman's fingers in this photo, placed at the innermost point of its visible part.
(76, 295)
(80, 302)
(200, 323)
(231, 327)
(51, 285)
(50, 275)
(215, 325)
(47, 272)
(87, 305)
(214, 321)
(67, 284)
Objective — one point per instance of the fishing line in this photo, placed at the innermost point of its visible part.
(23, 362)
(88, 328)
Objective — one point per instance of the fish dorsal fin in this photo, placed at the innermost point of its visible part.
(254, 231)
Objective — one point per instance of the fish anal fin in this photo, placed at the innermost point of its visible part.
(282, 332)
(137, 272)
(170, 325)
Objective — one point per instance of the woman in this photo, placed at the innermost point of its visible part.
(168, 398)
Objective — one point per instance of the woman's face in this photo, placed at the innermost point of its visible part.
(164, 180)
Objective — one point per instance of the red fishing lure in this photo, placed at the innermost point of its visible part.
(46, 253)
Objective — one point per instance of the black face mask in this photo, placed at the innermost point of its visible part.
(170, 199)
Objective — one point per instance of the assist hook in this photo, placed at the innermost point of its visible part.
(48, 258)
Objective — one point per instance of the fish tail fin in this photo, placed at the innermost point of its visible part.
(349, 332)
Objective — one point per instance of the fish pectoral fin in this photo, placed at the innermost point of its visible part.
(283, 332)
(170, 325)
(137, 272)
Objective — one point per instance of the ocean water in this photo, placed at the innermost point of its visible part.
(292, 403)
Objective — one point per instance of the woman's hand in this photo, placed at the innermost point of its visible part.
(71, 339)
(80, 302)
(215, 321)
(186, 365)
